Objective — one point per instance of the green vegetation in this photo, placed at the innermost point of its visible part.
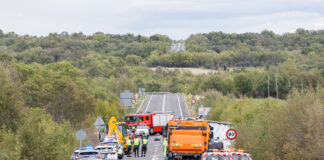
(274, 129)
(63, 81)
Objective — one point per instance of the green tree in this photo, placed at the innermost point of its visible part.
(10, 102)
(133, 60)
(65, 100)
(243, 83)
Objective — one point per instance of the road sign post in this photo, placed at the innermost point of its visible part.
(133, 104)
(81, 135)
(203, 111)
(99, 124)
(133, 101)
(193, 101)
(231, 134)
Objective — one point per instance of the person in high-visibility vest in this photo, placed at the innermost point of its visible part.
(144, 146)
(165, 146)
(136, 146)
(129, 146)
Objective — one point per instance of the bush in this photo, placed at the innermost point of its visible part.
(38, 137)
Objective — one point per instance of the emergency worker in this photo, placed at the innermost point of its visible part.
(144, 146)
(136, 146)
(165, 145)
(129, 144)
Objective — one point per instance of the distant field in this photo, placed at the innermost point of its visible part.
(195, 71)
(198, 71)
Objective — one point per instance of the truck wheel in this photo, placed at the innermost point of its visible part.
(151, 131)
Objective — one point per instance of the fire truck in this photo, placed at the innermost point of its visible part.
(155, 121)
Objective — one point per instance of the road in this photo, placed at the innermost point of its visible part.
(157, 103)
(166, 102)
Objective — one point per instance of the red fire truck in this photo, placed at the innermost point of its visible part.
(155, 121)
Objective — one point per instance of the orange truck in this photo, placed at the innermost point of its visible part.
(187, 138)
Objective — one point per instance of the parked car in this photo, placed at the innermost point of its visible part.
(108, 152)
(89, 155)
(142, 130)
(74, 155)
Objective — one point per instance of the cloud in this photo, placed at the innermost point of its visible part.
(176, 18)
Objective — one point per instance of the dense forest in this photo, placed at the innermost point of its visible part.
(50, 86)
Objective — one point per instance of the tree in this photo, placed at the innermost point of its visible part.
(107, 109)
(10, 103)
(41, 138)
(133, 60)
(243, 83)
(65, 100)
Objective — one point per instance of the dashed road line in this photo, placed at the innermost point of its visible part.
(163, 103)
(148, 104)
(139, 108)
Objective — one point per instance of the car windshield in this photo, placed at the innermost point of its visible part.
(217, 158)
(131, 119)
(88, 153)
(75, 153)
(237, 157)
(142, 127)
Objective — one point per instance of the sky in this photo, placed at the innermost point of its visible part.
(176, 18)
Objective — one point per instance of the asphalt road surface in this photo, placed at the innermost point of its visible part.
(166, 102)
(154, 149)
(157, 103)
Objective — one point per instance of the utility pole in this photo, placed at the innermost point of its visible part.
(289, 87)
(276, 86)
(268, 87)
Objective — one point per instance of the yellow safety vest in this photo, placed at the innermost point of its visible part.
(165, 142)
(136, 141)
(128, 142)
(144, 141)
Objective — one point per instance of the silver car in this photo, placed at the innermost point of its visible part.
(74, 155)
(118, 148)
(109, 153)
(89, 155)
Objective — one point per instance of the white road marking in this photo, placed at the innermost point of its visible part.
(139, 108)
(180, 107)
(148, 104)
(163, 103)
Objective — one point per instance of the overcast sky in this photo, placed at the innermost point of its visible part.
(175, 18)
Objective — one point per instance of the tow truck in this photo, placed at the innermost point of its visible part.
(154, 121)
